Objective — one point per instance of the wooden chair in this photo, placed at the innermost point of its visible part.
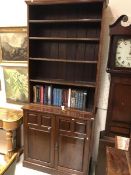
(119, 158)
(9, 169)
(122, 143)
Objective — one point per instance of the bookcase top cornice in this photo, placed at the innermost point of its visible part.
(63, 1)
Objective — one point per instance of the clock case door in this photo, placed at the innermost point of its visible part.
(118, 120)
(117, 32)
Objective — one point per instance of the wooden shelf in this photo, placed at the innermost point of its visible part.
(67, 83)
(64, 60)
(66, 21)
(51, 2)
(57, 110)
(65, 39)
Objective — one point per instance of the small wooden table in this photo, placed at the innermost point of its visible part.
(10, 120)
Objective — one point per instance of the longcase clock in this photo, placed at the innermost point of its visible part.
(119, 66)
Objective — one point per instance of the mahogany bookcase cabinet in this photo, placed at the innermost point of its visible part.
(64, 39)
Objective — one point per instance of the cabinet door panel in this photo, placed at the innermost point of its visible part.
(64, 125)
(39, 141)
(71, 152)
(80, 127)
(45, 121)
(119, 107)
(33, 119)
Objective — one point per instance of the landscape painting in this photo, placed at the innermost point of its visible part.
(13, 44)
(16, 84)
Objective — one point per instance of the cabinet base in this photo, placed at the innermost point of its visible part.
(49, 170)
(39, 167)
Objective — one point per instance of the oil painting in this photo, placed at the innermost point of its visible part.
(13, 44)
(16, 84)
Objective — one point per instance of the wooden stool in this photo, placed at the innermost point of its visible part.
(10, 120)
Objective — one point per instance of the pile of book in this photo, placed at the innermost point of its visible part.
(67, 97)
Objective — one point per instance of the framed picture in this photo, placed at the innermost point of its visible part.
(16, 84)
(13, 44)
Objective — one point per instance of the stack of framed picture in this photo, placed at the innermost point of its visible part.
(13, 58)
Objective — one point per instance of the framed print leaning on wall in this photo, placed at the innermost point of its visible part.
(13, 44)
(16, 84)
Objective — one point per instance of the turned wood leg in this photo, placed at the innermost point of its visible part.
(9, 138)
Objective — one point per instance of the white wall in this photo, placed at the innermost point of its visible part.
(12, 13)
(115, 9)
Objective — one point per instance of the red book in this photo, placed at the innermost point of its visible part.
(42, 94)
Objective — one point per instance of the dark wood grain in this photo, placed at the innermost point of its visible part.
(56, 111)
(101, 164)
(117, 163)
(119, 109)
(65, 139)
(39, 136)
(118, 114)
(64, 38)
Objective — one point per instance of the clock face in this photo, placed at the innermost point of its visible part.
(123, 53)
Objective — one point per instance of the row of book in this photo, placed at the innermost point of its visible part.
(49, 95)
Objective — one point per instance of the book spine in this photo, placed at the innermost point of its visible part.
(54, 96)
(72, 99)
(49, 95)
(37, 94)
(58, 94)
(65, 97)
(57, 99)
(76, 99)
(81, 99)
(41, 94)
(34, 94)
(46, 95)
(60, 97)
(69, 97)
(84, 100)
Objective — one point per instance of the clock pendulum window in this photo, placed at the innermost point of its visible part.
(118, 120)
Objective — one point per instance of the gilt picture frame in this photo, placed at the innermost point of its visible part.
(16, 84)
(13, 44)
